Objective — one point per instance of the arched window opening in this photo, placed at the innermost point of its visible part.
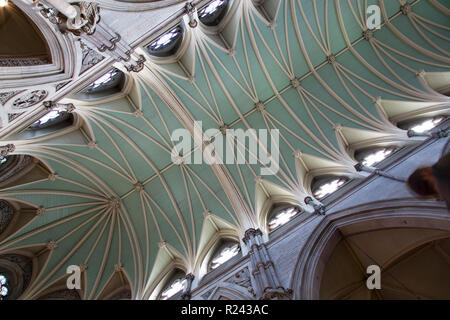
(3, 287)
(110, 83)
(213, 13)
(325, 186)
(15, 275)
(223, 253)
(281, 215)
(166, 44)
(174, 286)
(370, 157)
(422, 125)
(109, 80)
(52, 119)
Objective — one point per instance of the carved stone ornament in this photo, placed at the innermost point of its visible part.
(242, 279)
(279, 293)
(90, 58)
(6, 96)
(7, 149)
(29, 99)
(86, 21)
(20, 62)
(89, 17)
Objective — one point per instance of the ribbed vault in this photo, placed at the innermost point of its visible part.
(115, 202)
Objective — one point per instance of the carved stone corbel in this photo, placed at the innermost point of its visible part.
(319, 208)
(190, 9)
(62, 107)
(360, 167)
(7, 149)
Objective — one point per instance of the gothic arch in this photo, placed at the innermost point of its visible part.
(20, 169)
(168, 260)
(267, 196)
(58, 290)
(214, 230)
(404, 213)
(61, 49)
(18, 269)
(220, 240)
(117, 288)
(15, 215)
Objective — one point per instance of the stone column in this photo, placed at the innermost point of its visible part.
(187, 290)
(262, 269)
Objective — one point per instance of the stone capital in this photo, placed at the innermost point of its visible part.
(251, 233)
(279, 293)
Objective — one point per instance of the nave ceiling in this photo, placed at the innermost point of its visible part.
(115, 202)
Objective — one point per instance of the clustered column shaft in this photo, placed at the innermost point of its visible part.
(268, 286)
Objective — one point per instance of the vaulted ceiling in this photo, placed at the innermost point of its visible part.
(115, 201)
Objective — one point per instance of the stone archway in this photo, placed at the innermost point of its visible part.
(333, 262)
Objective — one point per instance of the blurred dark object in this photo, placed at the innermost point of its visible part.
(433, 181)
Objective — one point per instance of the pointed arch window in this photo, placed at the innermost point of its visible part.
(109, 80)
(53, 118)
(371, 157)
(213, 13)
(322, 187)
(225, 251)
(110, 83)
(166, 44)
(174, 286)
(3, 287)
(15, 275)
(281, 215)
(423, 124)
